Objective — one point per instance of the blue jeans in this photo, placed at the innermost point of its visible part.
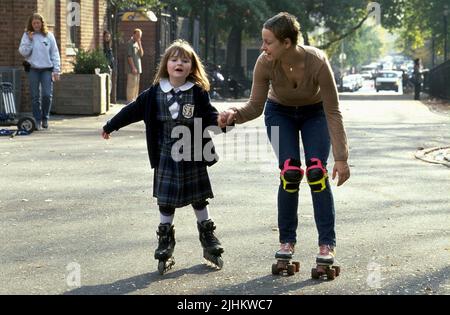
(41, 84)
(310, 121)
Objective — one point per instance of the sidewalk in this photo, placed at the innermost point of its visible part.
(438, 155)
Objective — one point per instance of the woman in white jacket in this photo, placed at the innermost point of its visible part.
(39, 48)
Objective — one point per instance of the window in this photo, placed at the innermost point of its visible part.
(48, 11)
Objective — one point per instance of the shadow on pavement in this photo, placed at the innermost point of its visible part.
(429, 283)
(267, 285)
(129, 285)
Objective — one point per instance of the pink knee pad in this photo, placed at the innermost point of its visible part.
(291, 175)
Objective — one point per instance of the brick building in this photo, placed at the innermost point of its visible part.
(86, 34)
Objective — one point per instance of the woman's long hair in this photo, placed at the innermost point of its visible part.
(184, 49)
(37, 16)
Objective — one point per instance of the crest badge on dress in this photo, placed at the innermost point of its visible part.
(188, 110)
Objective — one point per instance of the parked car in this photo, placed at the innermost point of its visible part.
(350, 83)
(372, 69)
(367, 75)
(359, 80)
(388, 80)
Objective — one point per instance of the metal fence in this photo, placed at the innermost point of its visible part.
(437, 81)
(13, 75)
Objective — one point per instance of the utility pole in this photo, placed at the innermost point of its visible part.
(445, 32)
(433, 53)
(206, 29)
(342, 57)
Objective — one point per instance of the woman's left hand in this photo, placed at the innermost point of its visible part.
(342, 169)
(55, 76)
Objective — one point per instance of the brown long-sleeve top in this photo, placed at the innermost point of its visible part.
(316, 85)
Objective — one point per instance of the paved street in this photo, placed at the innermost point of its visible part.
(70, 199)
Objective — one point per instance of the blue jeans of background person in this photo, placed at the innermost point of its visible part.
(41, 90)
(310, 121)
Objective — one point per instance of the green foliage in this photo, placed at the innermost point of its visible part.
(87, 61)
(362, 47)
(417, 21)
(125, 4)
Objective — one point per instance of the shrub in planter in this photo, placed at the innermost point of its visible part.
(83, 92)
(86, 62)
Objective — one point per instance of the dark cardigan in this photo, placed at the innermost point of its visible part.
(144, 108)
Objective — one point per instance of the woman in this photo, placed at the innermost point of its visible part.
(107, 48)
(108, 51)
(39, 48)
(296, 85)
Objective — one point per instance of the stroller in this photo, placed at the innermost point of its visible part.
(8, 112)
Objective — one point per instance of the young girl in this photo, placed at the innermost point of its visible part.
(178, 97)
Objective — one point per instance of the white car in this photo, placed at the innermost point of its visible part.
(388, 80)
(367, 75)
(349, 83)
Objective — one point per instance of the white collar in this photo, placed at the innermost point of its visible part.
(166, 86)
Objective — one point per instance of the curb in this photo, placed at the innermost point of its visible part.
(429, 155)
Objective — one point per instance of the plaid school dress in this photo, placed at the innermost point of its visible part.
(177, 184)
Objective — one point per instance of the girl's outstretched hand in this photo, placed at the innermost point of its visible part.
(342, 170)
(105, 135)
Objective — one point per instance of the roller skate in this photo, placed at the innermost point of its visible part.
(166, 245)
(284, 264)
(325, 264)
(212, 249)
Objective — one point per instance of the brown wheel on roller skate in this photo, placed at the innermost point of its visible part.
(297, 266)
(337, 269)
(331, 274)
(291, 270)
(314, 273)
(275, 270)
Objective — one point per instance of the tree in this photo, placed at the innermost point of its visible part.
(361, 47)
(232, 20)
(422, 22)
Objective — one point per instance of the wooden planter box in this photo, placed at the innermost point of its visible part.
(81, 94)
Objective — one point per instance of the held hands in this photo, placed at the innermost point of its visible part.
(105, 135)
(226, 118)
(342, 170)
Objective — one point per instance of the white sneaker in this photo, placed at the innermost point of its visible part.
(326, 255)
(286, 251)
